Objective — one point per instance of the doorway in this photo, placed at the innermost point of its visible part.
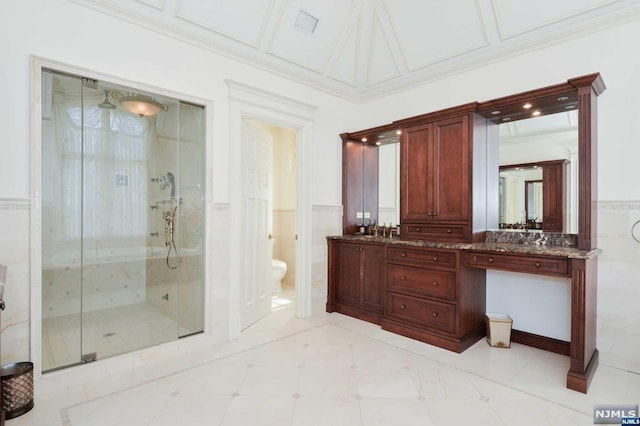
(269, 229)
(253, 103)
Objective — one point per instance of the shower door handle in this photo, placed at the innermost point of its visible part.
(270, 236)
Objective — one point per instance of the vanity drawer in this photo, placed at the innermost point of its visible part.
(427, 282)
(431, 314)
(436, 232)
(520, 263)
(420, 256)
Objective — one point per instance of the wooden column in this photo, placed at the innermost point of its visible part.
(584, 355)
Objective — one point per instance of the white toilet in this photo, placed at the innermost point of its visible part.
(279, 269)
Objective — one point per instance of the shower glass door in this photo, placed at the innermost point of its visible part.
(122, 220)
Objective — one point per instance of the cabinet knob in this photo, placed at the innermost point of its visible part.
(435, 283)
(403, 278)
(435, 314)
(490, 260)
(537, 264)
(404, 254)
(435, 258)
(417, 229)
(434, 214)
(403, 306)
(448, 231)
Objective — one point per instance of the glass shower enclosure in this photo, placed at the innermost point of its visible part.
(122, 219)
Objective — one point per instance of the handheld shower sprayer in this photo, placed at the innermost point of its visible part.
(171, 180)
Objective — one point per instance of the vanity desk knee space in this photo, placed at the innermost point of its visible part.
(429, 283)
(580, 267)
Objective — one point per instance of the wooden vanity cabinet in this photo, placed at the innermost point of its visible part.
(431, 297)
(356, 279)
(438, 183)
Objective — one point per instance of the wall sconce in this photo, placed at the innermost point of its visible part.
(144, 106)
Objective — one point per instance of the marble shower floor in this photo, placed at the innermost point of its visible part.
(106, 332)
(333, 370)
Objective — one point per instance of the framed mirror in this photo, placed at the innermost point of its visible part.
(579, 94)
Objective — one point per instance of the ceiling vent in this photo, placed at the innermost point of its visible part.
(306, 22)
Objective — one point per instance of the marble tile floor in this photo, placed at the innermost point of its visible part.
(334, 370)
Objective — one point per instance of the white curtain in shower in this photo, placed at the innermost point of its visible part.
(103, 179)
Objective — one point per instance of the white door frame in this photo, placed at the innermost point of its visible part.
(256, 104)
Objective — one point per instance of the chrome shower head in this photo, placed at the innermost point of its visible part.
(106, 104)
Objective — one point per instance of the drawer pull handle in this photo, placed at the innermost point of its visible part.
(490, 260)
(537, 264)
(435, 283)
(435, 314)
(403, 307)
(403, 278)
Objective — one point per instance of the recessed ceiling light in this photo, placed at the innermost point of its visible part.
(506, 119)
(496, 112)
(527, 106)
(363, 139)
(535, 113)
(399, 132)
(378, 143)
(563, 98)
(570, 107)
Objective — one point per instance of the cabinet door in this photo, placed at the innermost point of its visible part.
(373, 278)
(416, 198)
(348, 263)
(451, 186)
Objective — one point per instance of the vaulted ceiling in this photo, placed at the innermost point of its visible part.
(362, 49)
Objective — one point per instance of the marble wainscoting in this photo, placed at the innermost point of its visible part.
(619, 284)
(14, 253)
(327, 220)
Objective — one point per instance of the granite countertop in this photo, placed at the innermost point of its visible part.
(499, 245)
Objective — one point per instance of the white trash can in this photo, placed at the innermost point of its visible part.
(498, 330)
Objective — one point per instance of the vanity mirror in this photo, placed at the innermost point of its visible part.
(577, 94)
